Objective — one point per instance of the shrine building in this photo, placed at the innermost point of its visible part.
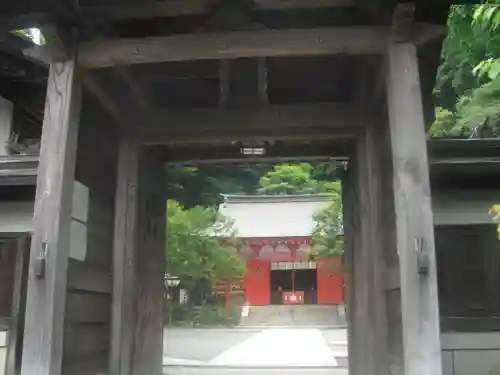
(275, 235)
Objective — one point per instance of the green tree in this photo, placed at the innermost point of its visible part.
(201, 245)
(468, 80)
(327, 239)
(495, 212)
(204, 184)
(293, 179)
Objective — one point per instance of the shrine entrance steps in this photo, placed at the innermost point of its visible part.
(294, 316)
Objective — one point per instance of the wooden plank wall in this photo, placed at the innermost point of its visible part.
(7, 271)
(87, 329)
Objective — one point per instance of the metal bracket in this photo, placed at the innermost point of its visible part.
(40, 262)
(423, 258)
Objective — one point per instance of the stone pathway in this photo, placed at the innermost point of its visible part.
(279, 348)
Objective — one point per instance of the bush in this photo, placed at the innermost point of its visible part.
(210, 315)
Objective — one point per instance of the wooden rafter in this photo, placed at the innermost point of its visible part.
(175, 8)
(135, 88)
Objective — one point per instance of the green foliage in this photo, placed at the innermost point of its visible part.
(194, 248)
(467, 85)
(33, 35)
(210, 315)
(204, 184)
(328, 232)
(495, 212)
(294, 179)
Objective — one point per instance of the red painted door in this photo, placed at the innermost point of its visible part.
(258, 282)
(330, 282)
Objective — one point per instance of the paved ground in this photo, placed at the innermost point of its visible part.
(208, 371)
(271, 348)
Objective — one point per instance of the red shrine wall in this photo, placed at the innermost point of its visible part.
(260, 253)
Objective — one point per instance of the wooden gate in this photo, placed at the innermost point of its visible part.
(258, 282)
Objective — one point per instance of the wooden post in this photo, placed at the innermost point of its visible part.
(124, 258)
(228, 295)
(414, 225)
(365, 258)
(151, 247)
(348, 207)
(43, 340)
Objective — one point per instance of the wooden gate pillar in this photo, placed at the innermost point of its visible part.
(46, 296)
(366, 302)
(124, 258)
(414, 224)
(139, 263)
(151, 248)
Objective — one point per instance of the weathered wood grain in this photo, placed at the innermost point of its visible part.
(82, 277)
(14, 347)
(261, 43)
(124, 258)
(368, 299)
(43, 344)
(148, 353)
(412, 196)
(286, 121)
(85, 341)
(192, 7)
(96, 364)
(85, 307)
(348, 206)
(370, 185)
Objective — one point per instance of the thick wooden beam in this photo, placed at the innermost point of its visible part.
(124, 258)
(43, 344)
(260, 43)
(414, 222)
(192, 7)
(233, 153)
(226, 136)
(166, 126)
(150, 253)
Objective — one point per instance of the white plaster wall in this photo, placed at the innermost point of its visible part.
(6, 109)
(471, 353)
(3, 351)
(16, 217)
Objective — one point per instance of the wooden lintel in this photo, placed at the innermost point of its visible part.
(259, 43)
(280, 120)
(226, 136)
(192, 7)
(233, 153)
